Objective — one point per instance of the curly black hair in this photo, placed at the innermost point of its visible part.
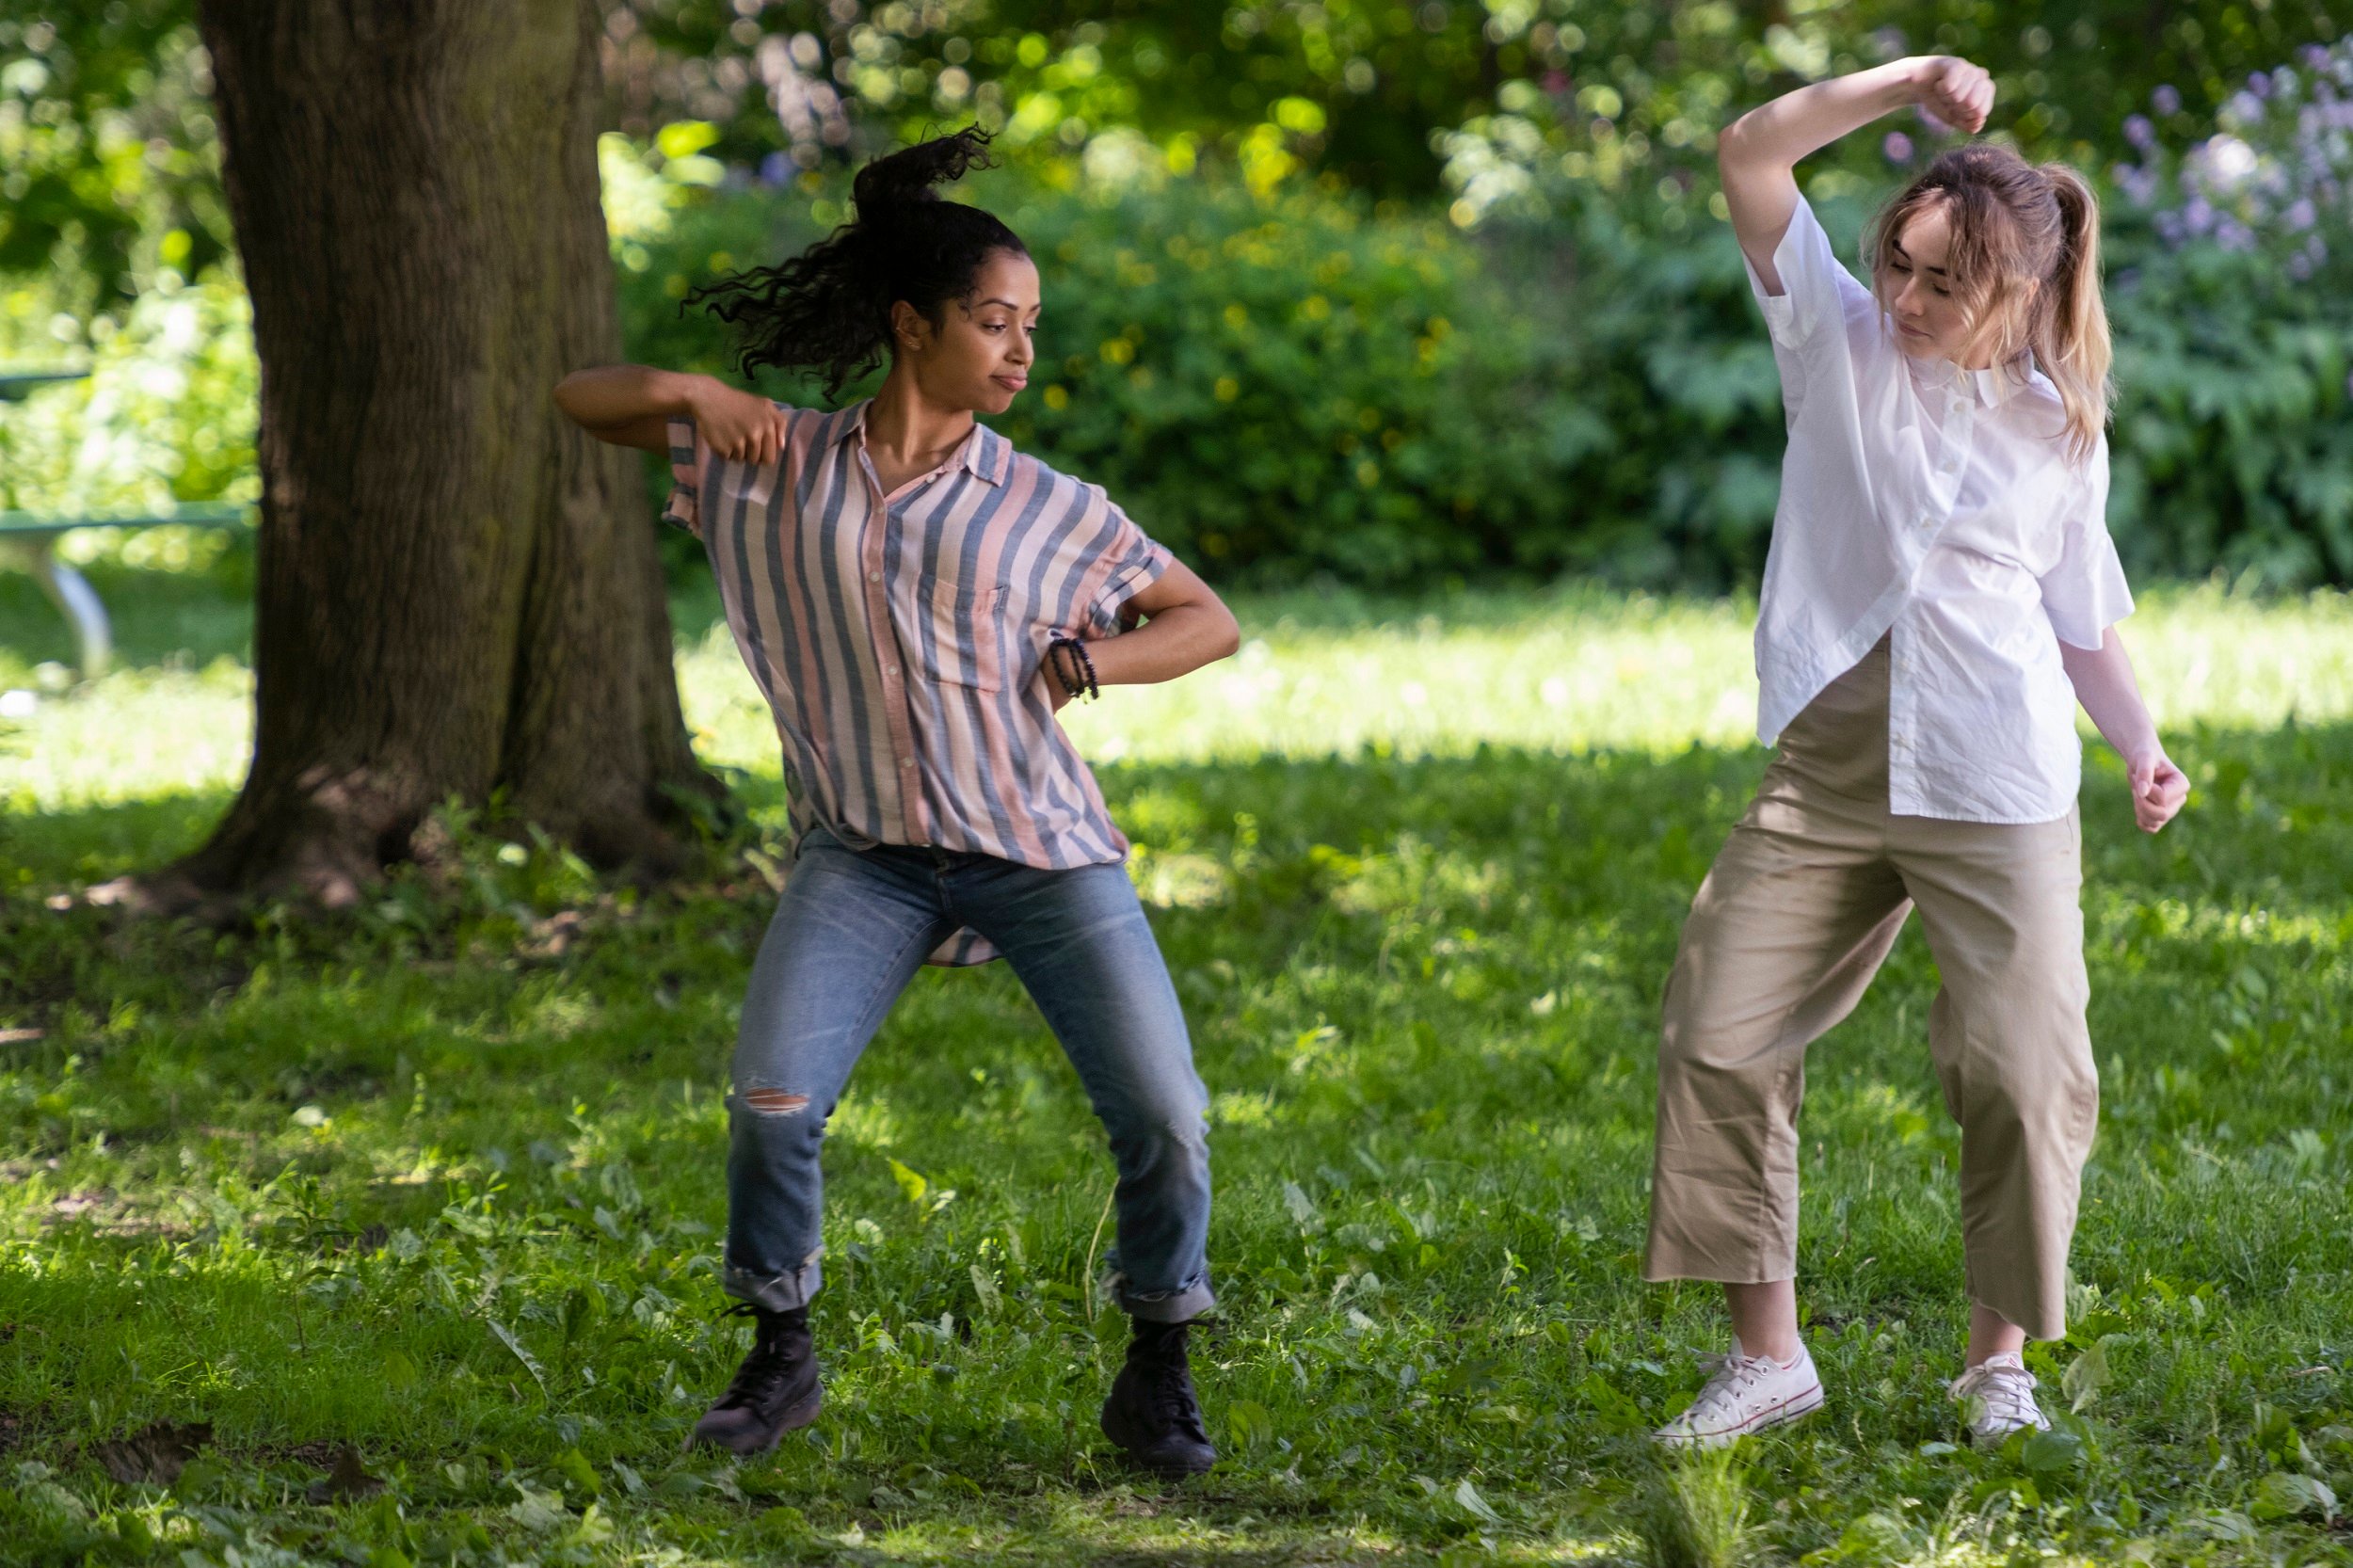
(826, 312)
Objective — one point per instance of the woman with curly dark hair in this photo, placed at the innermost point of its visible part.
(917, 599)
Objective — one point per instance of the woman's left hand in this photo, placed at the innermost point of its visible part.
(2159, 788)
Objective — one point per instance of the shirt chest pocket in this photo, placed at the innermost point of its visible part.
(964, 634)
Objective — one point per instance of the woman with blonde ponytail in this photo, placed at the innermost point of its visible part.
(1940, 594)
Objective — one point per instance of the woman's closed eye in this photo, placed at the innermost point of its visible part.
(1941, 291)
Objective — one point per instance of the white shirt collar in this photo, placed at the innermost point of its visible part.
(1991, 387)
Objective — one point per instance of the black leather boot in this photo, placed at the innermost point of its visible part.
(1152, 1413)
(774, 1391)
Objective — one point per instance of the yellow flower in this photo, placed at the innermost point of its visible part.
(1057, 398)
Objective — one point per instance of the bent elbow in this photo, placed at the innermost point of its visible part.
(1228, 636)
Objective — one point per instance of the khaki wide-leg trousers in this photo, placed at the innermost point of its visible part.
(1795, 916)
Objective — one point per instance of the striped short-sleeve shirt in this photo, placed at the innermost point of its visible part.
(898, 638)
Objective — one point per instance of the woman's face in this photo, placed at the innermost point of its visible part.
(1929, 322)
(977, 356)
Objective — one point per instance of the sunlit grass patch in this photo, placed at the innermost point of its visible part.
(420, 1180)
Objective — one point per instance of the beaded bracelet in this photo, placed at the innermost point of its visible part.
(1078, 675)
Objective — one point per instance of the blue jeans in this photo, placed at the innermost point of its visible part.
(850, 931)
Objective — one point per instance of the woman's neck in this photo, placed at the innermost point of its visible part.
(904, 423)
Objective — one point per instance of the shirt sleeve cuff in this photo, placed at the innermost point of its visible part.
(2083, 616)
(1780, 310)
(1798, 261)
(1130, 581)
(684, 508)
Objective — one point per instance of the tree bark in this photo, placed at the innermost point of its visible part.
(458, 593)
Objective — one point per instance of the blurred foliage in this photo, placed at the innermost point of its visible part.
(1370, 91)
(2233, 437)
(1371, 291)
(1273, 385)
(2233, 272)
(166, 414)
(109, 165)
(1307, 384)
(108, 154)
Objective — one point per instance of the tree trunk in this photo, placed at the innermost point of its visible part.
(458, 593)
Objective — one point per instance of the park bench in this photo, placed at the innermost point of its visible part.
(28, 540)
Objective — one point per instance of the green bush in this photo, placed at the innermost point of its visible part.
(1309, 387)
(1300, 386)
(1273, 387)
(2232, 448)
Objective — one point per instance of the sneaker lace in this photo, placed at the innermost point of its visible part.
(2004, 1392)
(1730, 1376)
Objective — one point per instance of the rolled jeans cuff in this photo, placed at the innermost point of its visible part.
(1162, 1306)
(775, 1292)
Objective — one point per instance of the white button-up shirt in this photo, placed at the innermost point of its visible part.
(1939, 508)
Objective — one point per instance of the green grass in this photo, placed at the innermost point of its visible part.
(440, 1180)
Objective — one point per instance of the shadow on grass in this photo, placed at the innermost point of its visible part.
(431, 1180)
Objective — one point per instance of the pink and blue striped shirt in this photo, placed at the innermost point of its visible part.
(898, 638)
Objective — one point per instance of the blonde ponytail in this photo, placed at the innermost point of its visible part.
(2077, 353)
(2025, 263)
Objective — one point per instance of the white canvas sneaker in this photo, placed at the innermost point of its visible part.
(1997, 1398)
(1748, 1393)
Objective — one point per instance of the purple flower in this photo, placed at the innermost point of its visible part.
(1897, 147)
(2260, 84)
(2314, 56)
(2165, 99)
(2300, 217)
(2139, 132)
(2299, 267)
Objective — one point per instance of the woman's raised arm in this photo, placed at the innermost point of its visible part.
(633, 405)
(1756, 153)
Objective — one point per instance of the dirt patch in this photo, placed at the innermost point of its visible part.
(155, 1455)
